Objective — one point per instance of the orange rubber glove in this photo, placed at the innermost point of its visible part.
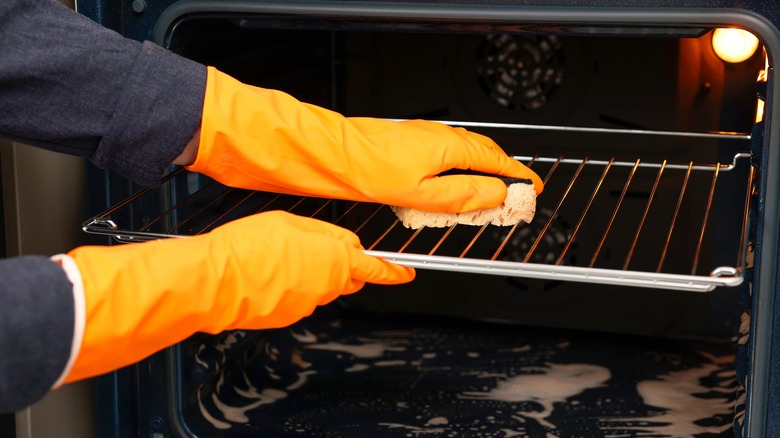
(262, 271)
(262, 139)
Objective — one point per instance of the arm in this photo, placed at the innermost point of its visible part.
(105, 307)
(190, 152)
(36, 329)
(69, 85)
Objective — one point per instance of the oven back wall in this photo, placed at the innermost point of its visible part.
(605, 82)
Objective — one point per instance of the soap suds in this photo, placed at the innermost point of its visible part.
(306, 337)
(252, 393)
(414, 430)
(198, 360)
(229, 341)
(390, 363)
(296, 358)
(357, 367)
(237, 414)
(303, 377)
(214, 422)
(363, 351)
(677, 393)
(552, 384)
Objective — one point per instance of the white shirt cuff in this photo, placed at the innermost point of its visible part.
(80, 315)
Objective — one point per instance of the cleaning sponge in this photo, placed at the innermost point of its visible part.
(520, 205)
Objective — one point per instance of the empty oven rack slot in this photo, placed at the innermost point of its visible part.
(680, 226)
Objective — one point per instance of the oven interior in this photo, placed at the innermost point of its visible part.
(644, 142)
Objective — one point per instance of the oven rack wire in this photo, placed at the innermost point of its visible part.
(584, 250)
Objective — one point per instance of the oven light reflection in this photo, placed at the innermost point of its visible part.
(762, 77)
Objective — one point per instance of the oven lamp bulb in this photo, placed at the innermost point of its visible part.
(734, 45)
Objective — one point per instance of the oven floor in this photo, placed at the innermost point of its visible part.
(345, 374)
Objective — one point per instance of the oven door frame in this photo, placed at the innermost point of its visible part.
(763, 381)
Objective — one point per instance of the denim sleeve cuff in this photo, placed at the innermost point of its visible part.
(158, 111)
(36, 328)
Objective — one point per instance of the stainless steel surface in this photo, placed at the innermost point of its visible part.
(567, 273)
(590, 130)
(36, 224)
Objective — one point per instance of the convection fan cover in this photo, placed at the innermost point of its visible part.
(519, 71)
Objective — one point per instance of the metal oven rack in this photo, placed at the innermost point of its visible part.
(631, 223)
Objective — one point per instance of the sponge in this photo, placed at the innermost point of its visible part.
(519, 205)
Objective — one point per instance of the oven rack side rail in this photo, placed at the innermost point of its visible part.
(724, 276)
(172, 222)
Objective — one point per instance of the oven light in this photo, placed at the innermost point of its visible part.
(734, 45)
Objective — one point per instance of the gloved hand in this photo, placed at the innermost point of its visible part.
(262, 139)
(262, 271)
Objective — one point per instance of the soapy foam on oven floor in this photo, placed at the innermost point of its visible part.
(529, 395)
(682, 400)
(546, 386)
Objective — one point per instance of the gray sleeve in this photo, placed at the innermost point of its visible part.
(36, 328)
(70, 85)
